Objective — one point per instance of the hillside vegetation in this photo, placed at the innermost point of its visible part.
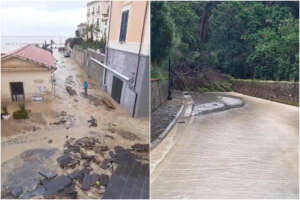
(246, 40)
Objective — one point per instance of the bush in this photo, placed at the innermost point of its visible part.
(203, 90)
(74, 41)
(84, 44)
(21, 114)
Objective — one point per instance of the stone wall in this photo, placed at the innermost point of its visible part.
(78, 55)
(280, 91)
(93, 70)
(159, 93)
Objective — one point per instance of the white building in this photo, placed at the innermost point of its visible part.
(81, 30)
(97, 19)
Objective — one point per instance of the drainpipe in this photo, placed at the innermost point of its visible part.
(139, 56)
(107, 42)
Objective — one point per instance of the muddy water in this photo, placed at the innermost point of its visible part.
(248, 152)
(38, 133)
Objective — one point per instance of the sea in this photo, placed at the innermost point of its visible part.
(9, 43)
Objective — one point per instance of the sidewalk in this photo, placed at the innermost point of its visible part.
(162, 117)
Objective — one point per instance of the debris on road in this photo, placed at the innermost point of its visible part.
(71, 91)
(92, 122)
(108, 103)
(140, 147)
(48, 174)
(64, 119)
(124, 134)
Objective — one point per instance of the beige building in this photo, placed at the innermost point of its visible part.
(128, 50)
(97, 17)
(26, 74)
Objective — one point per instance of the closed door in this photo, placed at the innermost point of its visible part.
(17, 91)
(117, 89)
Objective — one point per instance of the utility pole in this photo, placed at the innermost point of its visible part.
(169, 80)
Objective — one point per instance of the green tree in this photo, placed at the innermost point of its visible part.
(162, 31)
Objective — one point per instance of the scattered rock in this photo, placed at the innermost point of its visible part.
(67, 161)
(87, 142)
(109, 136)
(48, 174)
(140, 147)
(97, 160)
(100, 148)
(89, 180)
(61, 121)
(63, 113)
(57, 185)
(71, 91)
(93, 122)
(106, 163)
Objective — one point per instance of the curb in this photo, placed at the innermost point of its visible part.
(167, 130)
(226, 107)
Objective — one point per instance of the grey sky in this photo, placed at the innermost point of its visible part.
(43, 17)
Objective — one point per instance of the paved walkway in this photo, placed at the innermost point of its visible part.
(163, 116)
(247, 152)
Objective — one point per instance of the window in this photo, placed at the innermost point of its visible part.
(124, 23)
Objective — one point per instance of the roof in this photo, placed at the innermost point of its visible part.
(32, 53)
(82, 24)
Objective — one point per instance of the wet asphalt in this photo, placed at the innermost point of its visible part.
(246, 152)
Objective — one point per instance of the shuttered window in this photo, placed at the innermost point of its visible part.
(124, 23)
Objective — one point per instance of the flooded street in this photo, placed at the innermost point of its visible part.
(247, 152)
(52, 124)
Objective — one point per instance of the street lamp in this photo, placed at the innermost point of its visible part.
(169, 80)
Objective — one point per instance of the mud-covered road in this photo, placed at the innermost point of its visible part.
(42, 137)
(247, 152)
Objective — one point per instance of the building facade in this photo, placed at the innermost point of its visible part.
(26, 74)
(97, 19)
(128, 50)
(81, 30)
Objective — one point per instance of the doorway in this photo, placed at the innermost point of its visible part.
(17, 91)
(116, 89)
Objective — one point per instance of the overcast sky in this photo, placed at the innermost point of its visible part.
(41, 18)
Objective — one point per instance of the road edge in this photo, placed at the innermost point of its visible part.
(168, 129)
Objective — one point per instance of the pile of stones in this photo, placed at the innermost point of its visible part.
(64, 119)
(77, 159)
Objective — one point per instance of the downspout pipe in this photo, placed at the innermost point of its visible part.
(139, 56)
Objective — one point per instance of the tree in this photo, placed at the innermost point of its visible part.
(162, 31)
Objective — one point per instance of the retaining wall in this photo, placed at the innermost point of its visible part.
(280, 91)
(159, 93)
(82, 57)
